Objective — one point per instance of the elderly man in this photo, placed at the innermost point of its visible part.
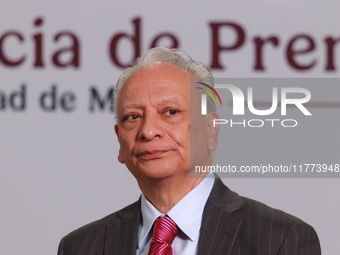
(158, 111)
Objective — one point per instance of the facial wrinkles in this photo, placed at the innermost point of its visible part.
(147, 134)
(136, 96)
(154, 105)
(150, 94)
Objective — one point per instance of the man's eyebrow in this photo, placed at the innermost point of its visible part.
(170, 100)
(133, 105)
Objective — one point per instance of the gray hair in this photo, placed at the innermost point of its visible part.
(159, 55)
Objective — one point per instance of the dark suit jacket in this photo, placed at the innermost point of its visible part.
(231, 225)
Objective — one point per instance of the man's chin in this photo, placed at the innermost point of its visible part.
(155, 171)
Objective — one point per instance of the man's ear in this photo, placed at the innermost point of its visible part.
(116, 130)
(120, 155)
(212, 130)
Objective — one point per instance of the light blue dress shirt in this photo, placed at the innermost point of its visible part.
(187, 214)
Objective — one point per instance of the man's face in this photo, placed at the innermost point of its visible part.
(153, 126)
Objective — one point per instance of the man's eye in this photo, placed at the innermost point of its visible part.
(172, 111)
(131, 117)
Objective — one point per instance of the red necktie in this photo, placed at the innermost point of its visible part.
(164, 233)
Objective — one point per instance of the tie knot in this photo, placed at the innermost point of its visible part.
(165, 230)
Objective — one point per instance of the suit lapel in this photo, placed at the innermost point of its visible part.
(122, 233)
(219, 225)
(218, 231)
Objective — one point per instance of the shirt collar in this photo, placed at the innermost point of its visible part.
(187, 218)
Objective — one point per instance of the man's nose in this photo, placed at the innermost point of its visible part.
(151, 127)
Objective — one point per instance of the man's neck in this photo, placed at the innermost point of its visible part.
(167, 192)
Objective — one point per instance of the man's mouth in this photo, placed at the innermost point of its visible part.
(152, 154)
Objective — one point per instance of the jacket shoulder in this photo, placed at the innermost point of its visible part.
(272, 230)
(103, 222)
(264, 213)
(76, 240)
(264, 229)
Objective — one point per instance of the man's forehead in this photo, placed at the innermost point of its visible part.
(156, 85)
(164, 83)
(169, 99)
(162, 71)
